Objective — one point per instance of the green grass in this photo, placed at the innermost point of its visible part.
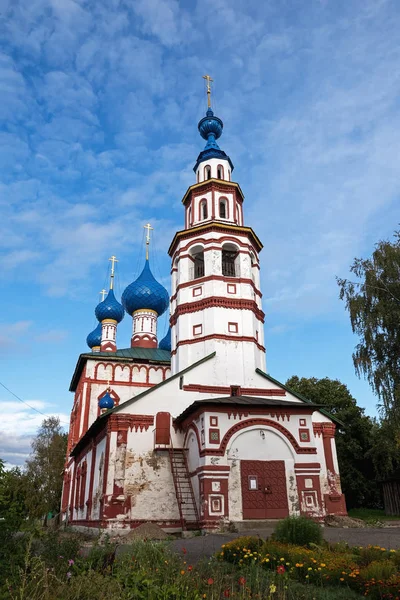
(371, 514)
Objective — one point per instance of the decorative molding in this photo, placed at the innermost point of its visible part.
(217, 302)
(219, 336)
(228, 280)
(226, 390)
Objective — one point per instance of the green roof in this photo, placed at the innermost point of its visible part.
(146, 355)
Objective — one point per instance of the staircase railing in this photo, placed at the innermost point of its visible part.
(177, 481)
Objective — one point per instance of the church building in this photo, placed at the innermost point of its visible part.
(191, 432)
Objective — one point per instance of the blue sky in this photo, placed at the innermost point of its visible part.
(98, 127)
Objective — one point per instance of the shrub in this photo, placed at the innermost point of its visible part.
(235, 550)
(300, 531)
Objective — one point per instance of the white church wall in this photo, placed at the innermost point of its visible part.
(98, 479)
(148, 480)
(213, 164)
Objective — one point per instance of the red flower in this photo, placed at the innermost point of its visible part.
(227, 593)
(184, 550)
(190, 568)
(210, 581)
(280, 569)
(242, 581)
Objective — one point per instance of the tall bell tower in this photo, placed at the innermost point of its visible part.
(216, 297)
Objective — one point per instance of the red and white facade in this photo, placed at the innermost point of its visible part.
(249, 447)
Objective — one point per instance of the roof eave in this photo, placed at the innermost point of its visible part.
(299, 396)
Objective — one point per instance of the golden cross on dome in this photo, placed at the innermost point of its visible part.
(103, 294)
(209, 80)
(149, 228)
(113, 260)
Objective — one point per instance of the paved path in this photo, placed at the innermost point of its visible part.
(205, 546)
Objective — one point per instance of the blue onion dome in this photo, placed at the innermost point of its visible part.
(165, 343)
(106, 402)
(110, 308)
(210, 128)
(94, 338)
(145, 292)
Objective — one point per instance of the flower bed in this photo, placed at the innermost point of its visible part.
(372, 571)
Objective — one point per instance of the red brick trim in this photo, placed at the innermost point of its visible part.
(213, 227)
(214, 389)
(234, 280)
(216, 302)
(307, 465)
(268, 423)
(219, 336)
(123, 422)
(219, 241)
(233, 327)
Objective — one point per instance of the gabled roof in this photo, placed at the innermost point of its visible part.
(247, 401)
(99, 422)
(143, 355)
(299, 396)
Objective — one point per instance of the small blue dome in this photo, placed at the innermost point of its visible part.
(165, 343)
(94, 338)
(145, 292)
(106, 402)
(110, 308)
(210, 128)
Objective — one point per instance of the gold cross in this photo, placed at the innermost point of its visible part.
(208, 79)
(149, 228)
(103, 294)
(113, 260)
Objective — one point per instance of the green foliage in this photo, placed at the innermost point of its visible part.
(371, 515)
(44, 469)
(373, 303)
(355, 443)
(13, 508)
(298, 530)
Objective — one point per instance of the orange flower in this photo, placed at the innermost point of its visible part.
(210, 581)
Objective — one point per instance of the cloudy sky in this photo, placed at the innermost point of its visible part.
(100, 101)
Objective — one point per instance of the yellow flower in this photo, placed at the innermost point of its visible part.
(342, 579)
(287, 564)
(309, 569)
(282, 559)
(182, 572)
(323, 565)
(307, 576)
(272, 588)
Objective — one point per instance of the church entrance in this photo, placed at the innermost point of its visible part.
(264, 493)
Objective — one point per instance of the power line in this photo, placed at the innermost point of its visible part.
(31, 407)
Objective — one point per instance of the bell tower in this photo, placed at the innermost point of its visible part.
(216, 297)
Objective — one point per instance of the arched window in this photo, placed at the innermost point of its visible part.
(198, 176)
(207, 172)
(220, 172)
(230, 261)
(229, 174)
(197, 254)
(190, 216)
(223, 212)
(203, 210)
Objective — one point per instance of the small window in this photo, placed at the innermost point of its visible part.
(208, 172)
(222, 209)
(198, 176)
(220, 172)
(203, 210)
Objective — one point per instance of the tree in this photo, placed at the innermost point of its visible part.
(374, 307)
(354, 442)
(45, 468)
(12, 496)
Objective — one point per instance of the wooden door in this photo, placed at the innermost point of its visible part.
(264, 492)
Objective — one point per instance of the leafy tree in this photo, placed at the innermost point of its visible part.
(45, 467)
(354, 442)
(374, 307)
(12, 496)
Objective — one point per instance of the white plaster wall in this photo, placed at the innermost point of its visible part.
(148, 479)
(213, 163)
(98, 479)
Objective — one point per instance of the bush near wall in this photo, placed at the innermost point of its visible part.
(371, 571)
